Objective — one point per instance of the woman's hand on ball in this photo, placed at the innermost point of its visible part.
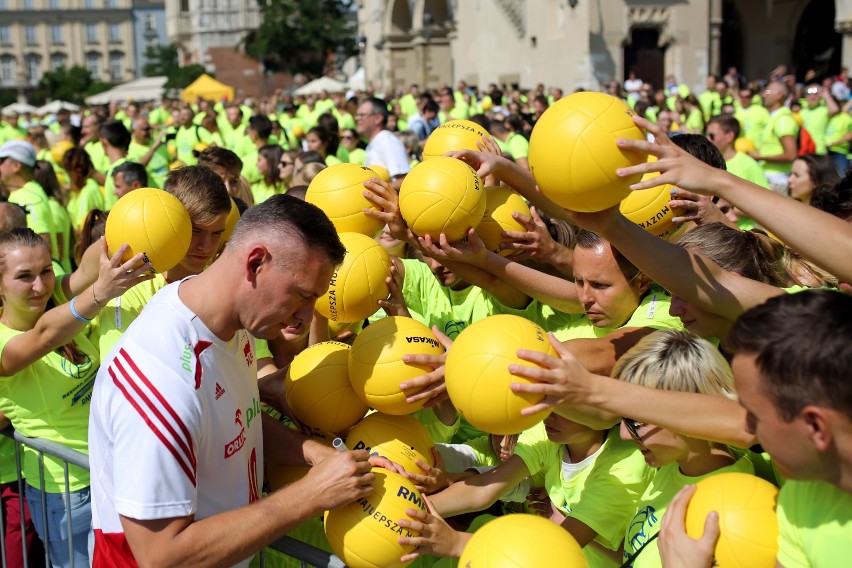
(431, 386)
(697, 208)
(535, 243)
(676, 166)
(679, 549)
(383, 196)
(116, 277)
(395, 304)
(435, 536)
(485, 163)
(472, 250)
(561, 380)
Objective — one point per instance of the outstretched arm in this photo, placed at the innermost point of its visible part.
(818, 236)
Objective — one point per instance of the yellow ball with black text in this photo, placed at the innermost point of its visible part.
(452, 136)
(339, 191)
(573, 156)
(401, 439)
(381, 172)
(749, 527)
(318, 390)
(522, 541)
(365, 533)
(376, 368)
(442, 195)
(358, 284)
(649, 208)
(153, 222)
(477, 374)
(500, 203)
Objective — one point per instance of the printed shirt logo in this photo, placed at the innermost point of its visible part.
(219, 391)
(248, 352)
(237, 443)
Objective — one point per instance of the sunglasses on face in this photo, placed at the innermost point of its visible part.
(347, 137)
(633, 428)
(284, 164)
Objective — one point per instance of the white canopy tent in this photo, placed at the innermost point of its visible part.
(145, 89)
(322, 84)
(18, 108)
(55, 106)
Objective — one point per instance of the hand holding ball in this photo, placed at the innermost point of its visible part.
(452, 136)
(153, 222)
(339, 191)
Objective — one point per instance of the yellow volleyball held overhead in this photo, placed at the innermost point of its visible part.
(358, 283)
(339, 191)
(500, 203)
(749, 527)
(401, 439)
(318, 391)
(365, 533)
(522, 541)
(649, 208)
(478, 378)
(453, 135)
(442, 195)
(153, 222)
(376, 368)
(573, 156)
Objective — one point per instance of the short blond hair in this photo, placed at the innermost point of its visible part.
(677, 360)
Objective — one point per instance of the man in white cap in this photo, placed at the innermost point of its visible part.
(17, 159)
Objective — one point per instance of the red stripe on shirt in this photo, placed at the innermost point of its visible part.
(112, 551)
(190, 471)
(161, 399)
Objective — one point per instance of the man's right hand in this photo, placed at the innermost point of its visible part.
(340, 479)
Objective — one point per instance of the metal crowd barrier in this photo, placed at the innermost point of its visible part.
(306, 554)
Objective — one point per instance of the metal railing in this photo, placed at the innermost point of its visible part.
(306, 554)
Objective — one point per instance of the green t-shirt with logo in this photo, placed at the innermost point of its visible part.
(602, 491)
(49, 399)
(645, 523)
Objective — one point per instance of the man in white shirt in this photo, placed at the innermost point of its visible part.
(177, 438)
(384, 149)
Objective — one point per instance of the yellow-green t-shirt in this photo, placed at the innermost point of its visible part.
(839, 126)
(433, 304)
(31, 196)
(358, 156)
(653, 312)
(753, 121)
(781, 123)
(645, 523)
(96, 152)
(815, 120)
(602, 491)
(261, 191)
(49, 399)
(83, 201)
(119, 313)
(518, 146)
(158, 165)
(186, 139)
(746, 167)
(438, 431)
(815, 525)
(62, 224)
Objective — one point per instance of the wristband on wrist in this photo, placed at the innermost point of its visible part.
(95, 298)
(76, 314)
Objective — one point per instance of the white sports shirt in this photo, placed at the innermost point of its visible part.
(175, 426)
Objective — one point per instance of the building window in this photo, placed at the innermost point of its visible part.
(28, 4)
(184, 5)
(7, 69)
(115, 33)
(58, 60)
(54, 4)
(149, 22)
(90, 3)
(33, 69)
(2, 4)
(111, 4)
(56, 33)
(91, 33)
(5, 36)
(116, 67)
(30, 35)
(93, 64)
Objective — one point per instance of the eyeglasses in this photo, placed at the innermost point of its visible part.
(711, 136)
(633, 428)
(347, 137)
(284, 163)
(360, 115)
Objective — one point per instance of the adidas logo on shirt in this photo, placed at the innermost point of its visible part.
(219, 391)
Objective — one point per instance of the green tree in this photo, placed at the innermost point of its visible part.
(163, 61)
(72, 85)
(301, 36)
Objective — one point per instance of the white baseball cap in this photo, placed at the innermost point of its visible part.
(20, 151)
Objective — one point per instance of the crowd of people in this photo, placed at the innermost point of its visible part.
(723, 348)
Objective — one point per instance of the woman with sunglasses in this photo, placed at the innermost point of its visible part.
(673, 361)
(287, 167)
(350, 140)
